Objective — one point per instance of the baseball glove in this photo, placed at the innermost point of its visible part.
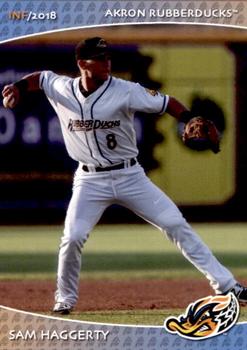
(201, 134)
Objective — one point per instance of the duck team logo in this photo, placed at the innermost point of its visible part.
(206, 317)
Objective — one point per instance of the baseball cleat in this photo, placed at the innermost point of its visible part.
(62, 308)
(240, 292)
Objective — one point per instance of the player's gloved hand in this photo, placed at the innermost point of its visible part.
(201, 134)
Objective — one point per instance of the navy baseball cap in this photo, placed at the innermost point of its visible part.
(91, 48)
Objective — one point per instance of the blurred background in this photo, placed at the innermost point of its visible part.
(205, 67)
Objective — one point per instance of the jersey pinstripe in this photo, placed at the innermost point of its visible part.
(98, 130)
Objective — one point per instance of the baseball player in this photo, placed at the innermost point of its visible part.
(96, 112)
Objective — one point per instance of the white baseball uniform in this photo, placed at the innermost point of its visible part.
(99, 133)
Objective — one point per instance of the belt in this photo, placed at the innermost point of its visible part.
(112, 167)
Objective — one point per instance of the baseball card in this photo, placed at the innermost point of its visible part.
(123, 175)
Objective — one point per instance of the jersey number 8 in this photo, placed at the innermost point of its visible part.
(111, 141)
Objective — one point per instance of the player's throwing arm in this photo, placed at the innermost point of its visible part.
(13, 93)
(11, 96)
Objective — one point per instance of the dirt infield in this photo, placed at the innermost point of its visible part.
(37, 296)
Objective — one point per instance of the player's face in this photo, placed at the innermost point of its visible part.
(98, 68)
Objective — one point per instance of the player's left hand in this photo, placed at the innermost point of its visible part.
(201, 134)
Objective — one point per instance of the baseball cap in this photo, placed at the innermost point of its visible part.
(91, 48)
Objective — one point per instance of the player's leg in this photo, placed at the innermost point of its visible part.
(86, 206)
(148, 201)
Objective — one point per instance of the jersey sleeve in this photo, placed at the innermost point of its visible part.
(145, 100)
(53, 85)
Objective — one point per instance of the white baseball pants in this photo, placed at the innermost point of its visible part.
(131, 188)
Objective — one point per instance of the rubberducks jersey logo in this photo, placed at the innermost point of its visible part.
(206, 317)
